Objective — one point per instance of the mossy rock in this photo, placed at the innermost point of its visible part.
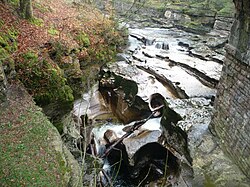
(31, 149)
(43, 79)
(3, 42)
(227, 11)
(3, 54)
(8, 43)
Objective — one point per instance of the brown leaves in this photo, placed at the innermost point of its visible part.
(60, 22)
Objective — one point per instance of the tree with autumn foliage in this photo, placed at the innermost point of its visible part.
(26, 8)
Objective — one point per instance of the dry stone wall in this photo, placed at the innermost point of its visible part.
(231, 120)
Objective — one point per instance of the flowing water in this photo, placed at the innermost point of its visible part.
(185, 80)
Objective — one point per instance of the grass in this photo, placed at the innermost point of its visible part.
(26, 157)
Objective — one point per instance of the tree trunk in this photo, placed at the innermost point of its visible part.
(26, 9)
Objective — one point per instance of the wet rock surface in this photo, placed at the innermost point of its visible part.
(121, 96)
(210, 165)
(173, 147)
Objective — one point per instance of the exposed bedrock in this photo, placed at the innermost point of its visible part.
(121, 96)
(209, 162)
(148, 154)
(182, 68)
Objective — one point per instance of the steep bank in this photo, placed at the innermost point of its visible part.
(52, 59)
(56, 54)
(31, 150)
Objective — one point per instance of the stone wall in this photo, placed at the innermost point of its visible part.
(231, 120)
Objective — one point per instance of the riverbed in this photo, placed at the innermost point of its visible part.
(166, 62)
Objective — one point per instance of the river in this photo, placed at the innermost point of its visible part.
(182, 67)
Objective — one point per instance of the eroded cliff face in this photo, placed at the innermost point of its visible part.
(231, 122)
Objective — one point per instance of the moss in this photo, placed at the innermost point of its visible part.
(83, 40)
(100, 54)
(3, 54)
(43, 79)
(52, 31)
(208, 182)
(3, 42)
(62, 164)
(228, 10)
(37, 21)
(202, 8)
(8, 40)
(14, 3)
(59, 126)
(27, 157)
(43, 8)
(57, 51)
(8, 45)
(1, 23)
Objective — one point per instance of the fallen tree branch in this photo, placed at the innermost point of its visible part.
(134, 127)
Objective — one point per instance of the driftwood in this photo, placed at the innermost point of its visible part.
(134, 127)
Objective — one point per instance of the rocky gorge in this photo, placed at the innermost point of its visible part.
(147, 120)
(166, 69)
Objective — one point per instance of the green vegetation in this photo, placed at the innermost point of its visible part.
(43, 79)
(8, 43)
(8, 46)
(14, 3)
(53, 70)
(208, 182)
(52, 31)
(37, 21)
(83, 40)
(41, 7)
(26, 156)
(222, 7)
(227, 10)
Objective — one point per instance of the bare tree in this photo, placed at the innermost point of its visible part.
(26, 8)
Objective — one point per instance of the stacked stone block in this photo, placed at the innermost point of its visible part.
(231, 120)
